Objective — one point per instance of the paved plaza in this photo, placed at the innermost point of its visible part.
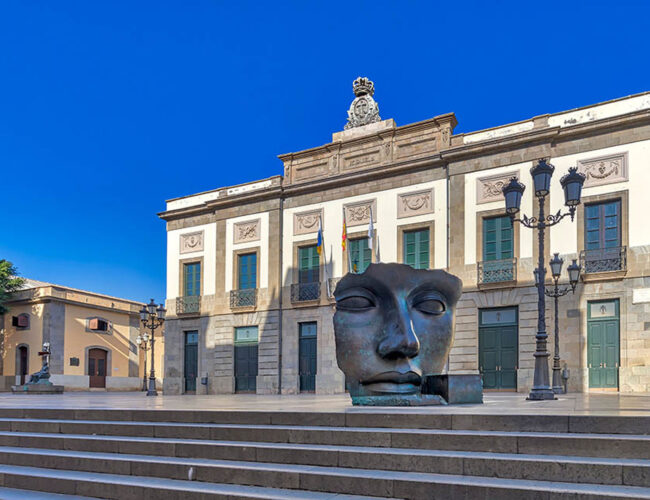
(495, 403)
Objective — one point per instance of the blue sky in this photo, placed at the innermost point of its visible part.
(109, 108)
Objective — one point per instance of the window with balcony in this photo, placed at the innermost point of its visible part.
(308, 286)
(499, 263)
(246, 293)
(190, 301)
(603, 251)
(416, 248)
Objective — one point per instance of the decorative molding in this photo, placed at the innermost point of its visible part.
(246, 231)
(359, 213)
(306, 222)
(192, 242)
(417, 203)
(604, 169)
(488, 189)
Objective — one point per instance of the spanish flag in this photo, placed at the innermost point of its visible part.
(344, 236)
(319, 245)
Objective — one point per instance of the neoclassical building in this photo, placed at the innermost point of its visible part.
(249, 294)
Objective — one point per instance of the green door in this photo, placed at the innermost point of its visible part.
(246, 359)
(307, 356)
(191, 360)
(603, 348)
(498, 348)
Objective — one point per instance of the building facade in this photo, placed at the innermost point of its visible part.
(250, 296)
(92, 339)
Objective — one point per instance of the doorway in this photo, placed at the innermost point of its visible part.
(191, 360)
(246, 338)
(97, 368)
(498, 346)
(603, 344)
(23, 359)
(307, 356)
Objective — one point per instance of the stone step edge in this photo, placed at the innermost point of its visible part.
(389, 419)
(16, 494)
(427, 480)
(370, 430)
(104, 480)
(379, 450)
(343, 473)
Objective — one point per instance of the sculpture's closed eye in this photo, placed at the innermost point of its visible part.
(429, 306)
(355, 303)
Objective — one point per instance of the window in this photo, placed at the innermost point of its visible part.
(20, 321)
(308, 264)
(603, 225)
(416, 248)
(360, 255)
(192, 279)
(245, 334)
(247, 268)
(497, 238)
(98, 325)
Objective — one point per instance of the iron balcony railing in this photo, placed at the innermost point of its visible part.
(604, 260)
(331, 286)
(243, 298)
(188, 305)
(305, 292)
(497, 271)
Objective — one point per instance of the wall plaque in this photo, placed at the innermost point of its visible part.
(359, 213)
(192, 242)
(417, 203)
(604, 170)
(246, 231)
(307, 222)
(488, 189)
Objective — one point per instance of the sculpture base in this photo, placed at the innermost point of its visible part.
(399, 400)
(37, 389)
(455, 389)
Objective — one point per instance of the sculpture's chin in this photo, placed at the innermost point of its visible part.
(391, 388)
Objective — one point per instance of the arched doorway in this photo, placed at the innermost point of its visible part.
(97, 367)
(23, 363)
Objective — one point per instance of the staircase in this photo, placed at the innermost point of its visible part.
(360, 454)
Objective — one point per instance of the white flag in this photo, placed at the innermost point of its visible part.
(371, 230)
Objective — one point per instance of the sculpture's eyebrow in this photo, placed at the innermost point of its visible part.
(361, 282)
(432, 287)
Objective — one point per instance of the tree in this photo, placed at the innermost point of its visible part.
(9, 283)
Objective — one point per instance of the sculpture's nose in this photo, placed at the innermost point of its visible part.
(400, 341)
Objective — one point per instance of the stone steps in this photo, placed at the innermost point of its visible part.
(634, 472)
(411, 455)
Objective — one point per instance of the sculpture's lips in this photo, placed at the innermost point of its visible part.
(395, 378)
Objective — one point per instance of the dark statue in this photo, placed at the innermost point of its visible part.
(394, 328)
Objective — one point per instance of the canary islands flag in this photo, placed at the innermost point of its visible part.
(319, 246)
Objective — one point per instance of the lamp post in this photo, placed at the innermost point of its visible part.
(143, 343)
(152, 318)
(556, 292)
(513, 191)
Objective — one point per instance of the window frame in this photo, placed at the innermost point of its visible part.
(181, 275)
(418, 226)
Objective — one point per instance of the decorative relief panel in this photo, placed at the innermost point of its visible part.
(246, 231)
(604, 170)
(359, 213)
(191, 242)
(417, 203)
(306, 222)
(488, 189)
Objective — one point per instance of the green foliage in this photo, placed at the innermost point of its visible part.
(9, 283)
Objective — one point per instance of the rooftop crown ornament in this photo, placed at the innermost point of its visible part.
(364, 109)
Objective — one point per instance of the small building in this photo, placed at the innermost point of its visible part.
(92, 339)
(249, 294)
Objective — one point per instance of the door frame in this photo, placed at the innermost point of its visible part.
(198, 339)
(108, 362)
(315, 337)
(244, 343)
(17, 366)
(516, 324)
(617, 300)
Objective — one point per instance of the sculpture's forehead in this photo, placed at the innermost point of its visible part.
(400, 279)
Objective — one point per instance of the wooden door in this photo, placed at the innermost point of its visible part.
(307, 356)
(498, 348)
(97, 367)
(603, 344)
(246, 368)
(22, 363)
(191, 360)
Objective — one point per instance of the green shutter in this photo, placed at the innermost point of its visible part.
(416, 249)
(360, 255)
(498, 238)
(308, 264)
(192, 279)
(247, 271)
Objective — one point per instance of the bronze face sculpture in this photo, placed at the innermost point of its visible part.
(394, 327)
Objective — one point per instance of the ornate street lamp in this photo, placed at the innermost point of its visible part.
(152, 318)
(513, 191)
(143, 343)
(556, 292)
